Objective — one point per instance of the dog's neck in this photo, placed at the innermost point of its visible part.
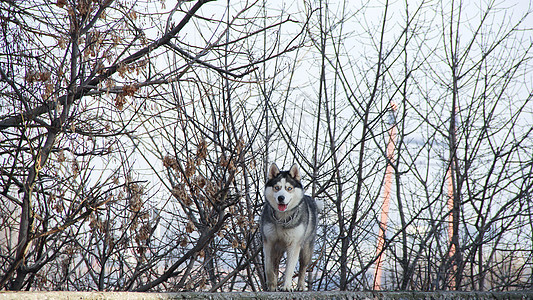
(284, 218)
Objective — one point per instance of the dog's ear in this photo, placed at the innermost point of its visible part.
(295, 172)
(273, 172)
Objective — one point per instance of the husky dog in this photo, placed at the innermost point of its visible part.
(288, 224)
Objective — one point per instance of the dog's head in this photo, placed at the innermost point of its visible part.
(283, 189)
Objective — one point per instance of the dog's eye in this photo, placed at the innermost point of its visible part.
(289, 188)
(277, 188)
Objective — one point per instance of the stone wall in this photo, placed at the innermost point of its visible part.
(263, 295)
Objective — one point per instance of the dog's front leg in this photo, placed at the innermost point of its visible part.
(271, 271)
(293, 252)
(305, 259)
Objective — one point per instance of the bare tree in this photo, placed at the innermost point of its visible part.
(68, 74)
(454, 113)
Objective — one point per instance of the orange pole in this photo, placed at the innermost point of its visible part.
(451, 194)
(450, 205)
(386, 201)
(450, 223)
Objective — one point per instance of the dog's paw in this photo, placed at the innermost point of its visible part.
(287, 289)
(272, 288)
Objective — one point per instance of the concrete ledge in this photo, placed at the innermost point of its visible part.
(264, 295)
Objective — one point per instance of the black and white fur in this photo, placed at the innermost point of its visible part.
(288, 224)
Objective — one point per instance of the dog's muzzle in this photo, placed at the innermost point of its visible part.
(281, 206)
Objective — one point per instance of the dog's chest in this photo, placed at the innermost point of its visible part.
(277, 233)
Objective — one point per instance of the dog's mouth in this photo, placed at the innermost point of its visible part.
(282, 207)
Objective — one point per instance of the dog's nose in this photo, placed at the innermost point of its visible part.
(281, 199)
